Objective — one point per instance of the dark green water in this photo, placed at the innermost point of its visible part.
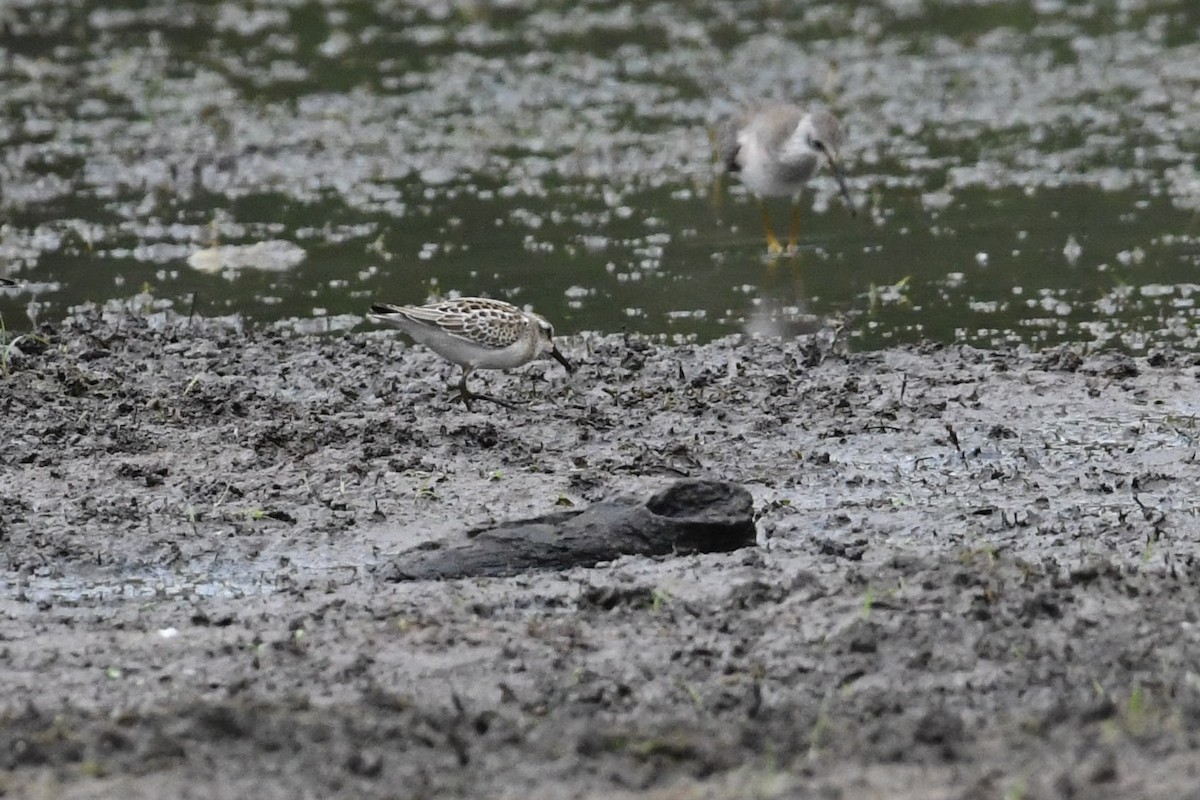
(1025, 171)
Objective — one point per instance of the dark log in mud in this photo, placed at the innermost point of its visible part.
(693, 516)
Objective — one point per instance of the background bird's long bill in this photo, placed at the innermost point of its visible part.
(560, 358)
(841, 182)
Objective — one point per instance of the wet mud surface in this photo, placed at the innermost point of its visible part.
(975, 574)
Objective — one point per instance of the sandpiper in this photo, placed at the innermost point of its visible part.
(776, 149)
(475, 333)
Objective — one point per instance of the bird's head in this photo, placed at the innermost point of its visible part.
(822, 134)
(545, 335)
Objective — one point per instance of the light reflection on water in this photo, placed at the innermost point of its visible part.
(1023, 169)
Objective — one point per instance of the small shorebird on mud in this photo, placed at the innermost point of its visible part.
(475, 333)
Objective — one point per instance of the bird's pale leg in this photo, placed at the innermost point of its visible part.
(773, 245)
(466, 395)
(794, 235)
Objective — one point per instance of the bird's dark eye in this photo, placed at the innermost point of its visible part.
(818, 145)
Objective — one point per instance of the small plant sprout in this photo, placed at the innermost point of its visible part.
(692, 693)
(820, 727)
(1017, 791)
(895, 294)
(380, 247)
(659, 598)
(867, 603)
(1137, 713)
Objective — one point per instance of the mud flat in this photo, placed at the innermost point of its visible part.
(976, 574)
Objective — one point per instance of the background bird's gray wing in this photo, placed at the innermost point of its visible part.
(776, 124)
(726, 144)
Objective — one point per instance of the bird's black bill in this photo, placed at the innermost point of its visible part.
(841, 182)
(560, 358)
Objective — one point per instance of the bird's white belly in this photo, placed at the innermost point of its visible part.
(768, 176)
(467, 353)
(514, 355)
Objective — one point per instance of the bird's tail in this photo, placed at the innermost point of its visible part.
(388, 314)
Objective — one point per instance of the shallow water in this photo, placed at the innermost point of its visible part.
(1025, 171)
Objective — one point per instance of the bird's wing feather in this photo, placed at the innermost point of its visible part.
(727, 144)
(490, 323)
(777, 124)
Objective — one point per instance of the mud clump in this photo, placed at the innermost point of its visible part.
(975, 577)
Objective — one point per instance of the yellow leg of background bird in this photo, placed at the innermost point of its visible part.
(794, 235)
(773, 245)
(716, 188)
